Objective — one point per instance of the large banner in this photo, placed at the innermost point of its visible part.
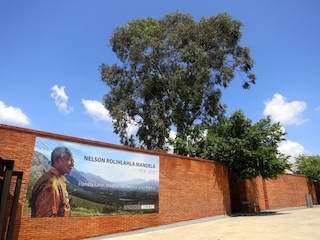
(76, 179)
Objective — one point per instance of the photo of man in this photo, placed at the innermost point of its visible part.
(49, 195)
(69, 178)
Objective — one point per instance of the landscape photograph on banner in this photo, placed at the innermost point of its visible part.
(72, 179)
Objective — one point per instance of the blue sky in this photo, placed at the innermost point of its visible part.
(50, 52)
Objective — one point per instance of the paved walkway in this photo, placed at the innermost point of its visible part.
(300, 223)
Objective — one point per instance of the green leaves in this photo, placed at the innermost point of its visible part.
(308, 165)
(250, 150)
(170, 74)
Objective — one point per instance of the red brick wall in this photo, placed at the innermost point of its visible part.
(288, 190)
(189, 189)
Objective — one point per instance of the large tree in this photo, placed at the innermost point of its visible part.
(308, 165)
(250, 150)
(170, 74)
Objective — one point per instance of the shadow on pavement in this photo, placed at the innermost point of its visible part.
(249, 214)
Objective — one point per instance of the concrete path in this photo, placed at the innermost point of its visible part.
(290, 224)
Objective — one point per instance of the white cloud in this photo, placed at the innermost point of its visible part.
(294, 149)
(283, 111)
(96, 110)
(60, 99)
(12, 115)
(172, 135)
(132, 127)
(317, 108)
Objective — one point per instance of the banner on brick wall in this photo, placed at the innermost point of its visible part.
(71, 179)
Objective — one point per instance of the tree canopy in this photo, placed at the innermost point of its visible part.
(170, 74)
(250, 150)
(308, 165)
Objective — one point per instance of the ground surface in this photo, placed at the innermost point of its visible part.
(294, 224)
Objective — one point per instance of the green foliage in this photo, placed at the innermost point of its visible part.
(250, 150)
(80, 211)
(308, 165)
(108, 209)
(32, 181)
(78, 203)
(171, 74)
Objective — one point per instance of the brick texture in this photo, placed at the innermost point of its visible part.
(288, 190)
(189, 189)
